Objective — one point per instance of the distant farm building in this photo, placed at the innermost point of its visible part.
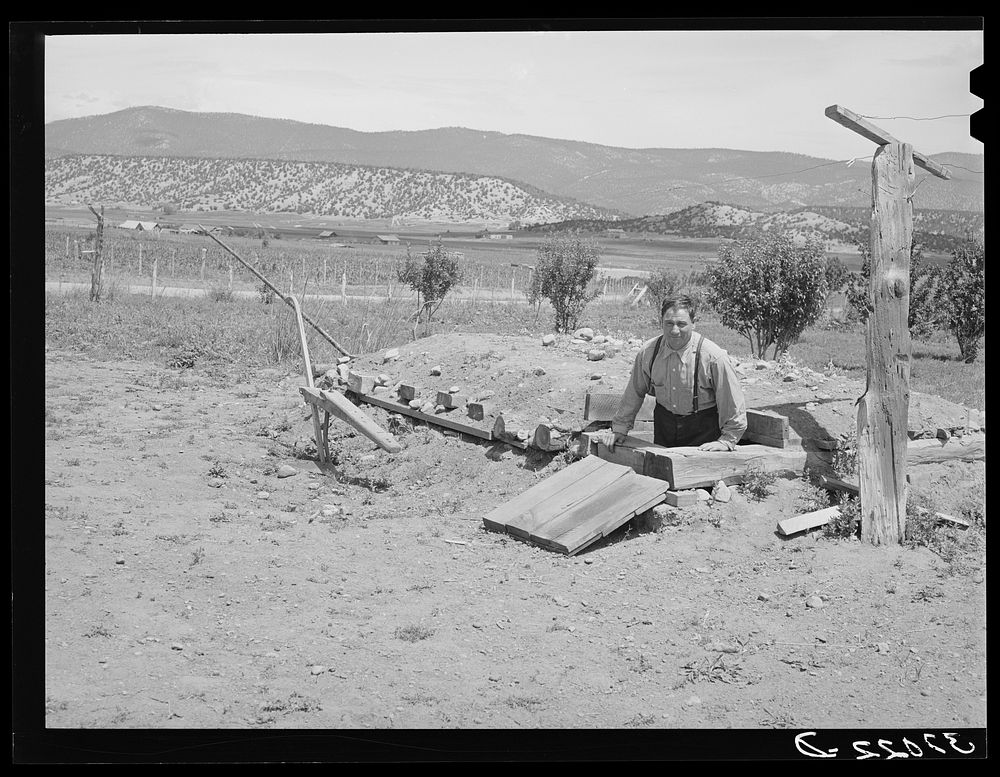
(189, 229)
(501, 236)
(140, 226)
(387, 240)
(326, 234)
(616, 233)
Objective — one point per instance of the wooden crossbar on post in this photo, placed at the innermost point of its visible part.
(883, 408)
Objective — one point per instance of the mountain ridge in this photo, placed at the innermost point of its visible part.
(629, 181)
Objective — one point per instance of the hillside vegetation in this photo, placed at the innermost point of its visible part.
(317, 188)
(837, 228)
(632, 181)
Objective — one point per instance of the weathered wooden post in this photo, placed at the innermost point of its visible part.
(324, 271)
(140, 259)
(98, 271)
(204, 258)
(152, 284)
(883, 408)
(173, 262)
(67, 248)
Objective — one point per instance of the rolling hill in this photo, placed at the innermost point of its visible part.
(317, 188)
(631, 181)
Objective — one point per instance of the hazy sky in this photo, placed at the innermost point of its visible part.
(762, 90)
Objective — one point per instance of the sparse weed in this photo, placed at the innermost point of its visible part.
(758, 483)
(847, 523)
(413, 633)
(221, 295)
(197, 556)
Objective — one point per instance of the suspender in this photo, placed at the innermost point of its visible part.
(697, 362)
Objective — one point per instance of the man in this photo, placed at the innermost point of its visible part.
(699, 401)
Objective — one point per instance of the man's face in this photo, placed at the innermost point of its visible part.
(677, 327)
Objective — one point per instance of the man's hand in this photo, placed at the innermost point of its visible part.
(715, 445)
(609, 438)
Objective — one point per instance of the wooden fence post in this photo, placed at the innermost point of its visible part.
(152, 285)
(140, 258)
(98, 271)
(324, 271)
(204, 257)
(883, 408)
(67, 248)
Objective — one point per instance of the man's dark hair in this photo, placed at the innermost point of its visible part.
(679, 302)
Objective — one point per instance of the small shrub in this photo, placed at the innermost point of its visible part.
(845, 458)
(768, 289)
(964, 292)
(563, 271)
(432, 277)
(265, 293)
(757, 482)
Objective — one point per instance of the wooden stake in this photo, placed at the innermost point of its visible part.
(140, 258)
(204, 258)
(152, 284)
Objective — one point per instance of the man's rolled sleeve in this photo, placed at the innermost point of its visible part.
(633, 396)
(730, 401)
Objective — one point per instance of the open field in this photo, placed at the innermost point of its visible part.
(190, 584)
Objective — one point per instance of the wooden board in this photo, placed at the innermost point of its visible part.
(578, 505)
(598, 517)
(437, 420)
(549, 508)
(551, 486)
(807, 521)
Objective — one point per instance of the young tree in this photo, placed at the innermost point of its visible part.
(924, 313)
(769, 290)
(432, 277)
(563, 270)
(964, 296)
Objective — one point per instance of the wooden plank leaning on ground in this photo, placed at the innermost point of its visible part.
(336, 405)
(764, 427)
(399, 406)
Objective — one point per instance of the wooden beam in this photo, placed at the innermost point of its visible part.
(879, 136)
(333, 403)
(836, 484)
(434, 420)
(935, 450)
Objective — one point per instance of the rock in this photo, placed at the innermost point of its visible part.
(216, 482)
(388, 356)
(157, 407)
(703, 495)
(599, 339)
(436, 370)
(318, 669)
(416, 404)
(815, 602)
(882, 647)
(343, 371)
(692, 701)
(549, 340)
(719, 646)
(343, 360)
(721, 492)
(285, 471)
(314, 486)
(596, 376)
(332, 375)
(119, 561)
(427, 407)
(263, 495)
(595, 355)
(760, 364)
(383, 380)
(584, 333)
(762, 597)
(790, 377)
(176, 646)
(454, 389)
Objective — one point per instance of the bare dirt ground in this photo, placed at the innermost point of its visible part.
(188, 586)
